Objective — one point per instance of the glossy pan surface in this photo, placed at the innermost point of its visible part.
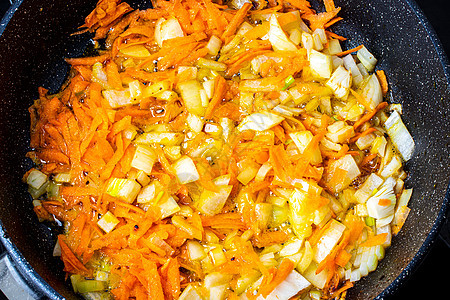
(36, 40)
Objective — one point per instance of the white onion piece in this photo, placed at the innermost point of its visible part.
(400, 136)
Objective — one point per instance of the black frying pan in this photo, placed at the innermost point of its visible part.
(36, 40)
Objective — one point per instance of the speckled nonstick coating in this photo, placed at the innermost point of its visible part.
(36, 40)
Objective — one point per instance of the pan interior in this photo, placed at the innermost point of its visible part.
(37, 39)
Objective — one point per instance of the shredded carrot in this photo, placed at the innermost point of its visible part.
(376, 240)
(236, 63)
(361, 99)
(383, 81)
(368, 158)
(220, 88)
(343, 258)
(317, 234)
(400, 218)
(71, 262)
(355, 226)
(268, 285)
(170, 274)
(343, 53)
(369, 115)
(319, 20)
(332, 22)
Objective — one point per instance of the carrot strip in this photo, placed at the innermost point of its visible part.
(170, 272)
(112, 72)
(342, 289)
(332, 22)
(154, 286)
(384, 202)
(376, 240)
(319, 20)
(383, 81)
(236, 62)
(361, 99)
(369, 115)
(360, 135)
(343, 53)
(220, 88)
(87, 60)
(71, 262)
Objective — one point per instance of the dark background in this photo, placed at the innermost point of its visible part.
(431, 279)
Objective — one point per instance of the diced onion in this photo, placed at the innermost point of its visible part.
(328, 240)
(349, 64)
(144, 158)
(399, 135)
(190, 92)
(366, 189)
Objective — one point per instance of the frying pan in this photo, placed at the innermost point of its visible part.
(36, 39)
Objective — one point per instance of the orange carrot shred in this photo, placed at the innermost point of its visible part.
(364, 133)
(384, 202)
(220, 87)
(237, 20)
(71, 262)
(85, 139)
(283, 270)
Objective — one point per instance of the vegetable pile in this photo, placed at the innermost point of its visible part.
(213, 151)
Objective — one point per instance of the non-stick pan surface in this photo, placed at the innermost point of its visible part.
(36, 40)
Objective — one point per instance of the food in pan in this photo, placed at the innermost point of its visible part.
(219, 151)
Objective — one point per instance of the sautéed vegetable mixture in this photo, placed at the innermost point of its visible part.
(216, 150)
